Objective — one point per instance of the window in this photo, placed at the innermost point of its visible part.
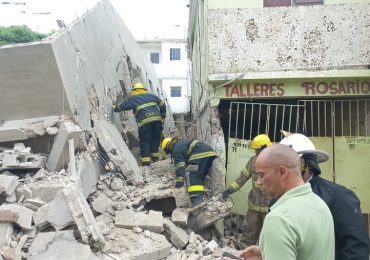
(175, 54)
(154, 57)
(176, 91)
(308, 2)
(275, 3)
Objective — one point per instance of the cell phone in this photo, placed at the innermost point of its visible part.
(226, 254)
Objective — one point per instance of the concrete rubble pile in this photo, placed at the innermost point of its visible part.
(99, 210)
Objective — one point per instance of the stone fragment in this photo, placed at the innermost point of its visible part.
(182, 198)
(210, 247)
(117, 184)
(8, 184)
(179, 238)
(41, 242)
(6, 231)
(24, 214)
(180, 216)
(89, 173)
(102, 203)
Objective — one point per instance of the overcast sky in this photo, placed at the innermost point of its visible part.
(144, 18)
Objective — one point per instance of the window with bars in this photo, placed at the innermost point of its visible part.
(276, 3)
(175, 54)
(154, 57)
(175, 91)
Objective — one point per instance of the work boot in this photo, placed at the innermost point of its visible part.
(155, 159)
(196, 198)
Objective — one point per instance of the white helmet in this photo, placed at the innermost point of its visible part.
(302, 145)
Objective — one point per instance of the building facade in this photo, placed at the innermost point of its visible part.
(299, 66)
(170, 61)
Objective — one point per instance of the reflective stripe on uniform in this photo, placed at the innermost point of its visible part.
(179, 165)
(146, 159)
(195, 188)
(155, 155)
(258, 208)
(180, 179)
(161, 103)
(234, 186)
(149, 104)
(245, 172)
(149, 120)
(202, 155)
(191, 146)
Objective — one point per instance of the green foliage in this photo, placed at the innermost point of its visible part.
(18, 34)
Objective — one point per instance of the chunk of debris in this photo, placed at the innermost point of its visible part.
(6, 231)
(24, 214)
(102, 203)
(8, 184)
(180, 216)
(129, 219)
(179, 238)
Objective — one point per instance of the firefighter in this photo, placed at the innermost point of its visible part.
(351, 238)
(184, 153)
(150, 113)
(257, 202)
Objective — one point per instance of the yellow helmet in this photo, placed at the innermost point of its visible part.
(165, 144)
(260, 141)
(138, 86)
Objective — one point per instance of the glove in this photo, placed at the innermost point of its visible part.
(116, 108)
(227, 193)
(179, 182)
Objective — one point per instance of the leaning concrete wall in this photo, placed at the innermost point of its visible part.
(281, 38)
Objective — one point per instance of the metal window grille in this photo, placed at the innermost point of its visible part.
(308, 2)
(175, 91)
(154, 57)
(175, 54)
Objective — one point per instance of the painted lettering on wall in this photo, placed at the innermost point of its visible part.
(336, 87)
(353, 141)
(256, 89)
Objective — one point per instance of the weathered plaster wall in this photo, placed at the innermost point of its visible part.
(287, 38)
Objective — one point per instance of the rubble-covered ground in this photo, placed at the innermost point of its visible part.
(49, 214)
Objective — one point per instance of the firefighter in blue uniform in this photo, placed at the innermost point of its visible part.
(186, 153)
(150, 112)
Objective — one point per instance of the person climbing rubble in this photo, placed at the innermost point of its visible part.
(150, 113)
(196, 154)
(257, 202)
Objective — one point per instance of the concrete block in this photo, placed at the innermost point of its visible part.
(21, 160)
(210, 247)
(24, 214)
(129, 219)
(46, 192)
(56, 213)
(89, 170)
(6, 231)
(102, 203)
(8, 184)
(180, 216)
(64, 249)
(179, 238)
(33, 204)
(59, 155)
(182, 198)
(43, 239)
(111, 141)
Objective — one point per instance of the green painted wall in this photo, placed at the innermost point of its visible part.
(222, 4)
(334, 2)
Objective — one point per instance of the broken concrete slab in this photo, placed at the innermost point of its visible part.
(43, 239)
(180, 216)
(8, 184)
(89, 170)
(6, 231)
(27, 128)
(59, 155)
(33, 204)
(133, 246)
(56, 213)
(117, 150)
(13, 160)
(102, 203)
(24, 214)
(179, 238)
(11, 198)
(8, 216)
(83, 217)
(65, 249)
(128, 219)
(210, 247)
(44, 191)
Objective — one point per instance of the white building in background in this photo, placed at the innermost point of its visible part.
(169, 57)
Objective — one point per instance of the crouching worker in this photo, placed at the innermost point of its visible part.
(150, 112)
(195, 153)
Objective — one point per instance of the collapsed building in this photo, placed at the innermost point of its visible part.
(259, 67)
(70, 184)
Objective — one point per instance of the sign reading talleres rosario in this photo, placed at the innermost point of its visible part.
(295, 88)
